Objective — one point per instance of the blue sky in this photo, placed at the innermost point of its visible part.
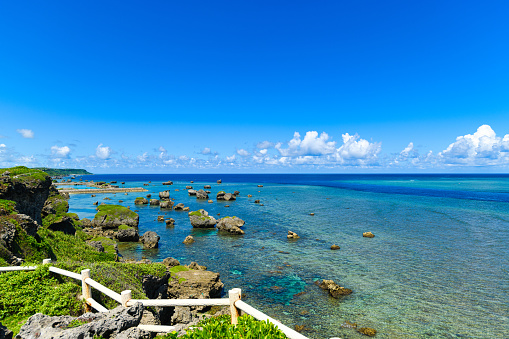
(255, 86)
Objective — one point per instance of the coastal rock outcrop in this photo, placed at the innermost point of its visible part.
(188, 240)
(222, 195)
(165, 195)
(166, 204)
(292, 235)
(168, 183)
(201, 219)
(140, 201)
(368, 235)
(154, 202)
(111, 324)
(170, 262)
(179, 207)
(127, 234)
(112, 216)
(195, 284)
(231, 225)
(191, 192)
(150, 239)
(201, 194)
(370, 332)
(334, 289)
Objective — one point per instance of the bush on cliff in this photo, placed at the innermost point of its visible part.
(221, 327)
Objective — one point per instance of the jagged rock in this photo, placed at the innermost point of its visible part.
(334, 247)
(149, 196)
(368, 235)
(128, 235)
(201, 219)
(166, 204)
(170, 262)
(112, 216)
(220, 195)
(164, 195)
(370, 332)
(179, 207)
(135, 333)
(219, 181)
(140, 201)
(257, 201)
(208, 192)
(170, 222)
(185, 209)
(96, 203)
(188, 240)
(28, 224)
(189, 187)
(160, 218)
(109, 324)
(292, 235)
(154, 202)
(150, 239)
(64, 224)
(229, 196)
(231, 225)
(194, 266)
(97, 245)
(5, 333)
(195, 284)
(201, 194)
(236, 193)
(191, 192)
(207, 187)
(28, 192)
(55, 201)
(334, 289)
(168, 183)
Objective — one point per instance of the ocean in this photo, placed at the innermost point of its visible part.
(436, 268)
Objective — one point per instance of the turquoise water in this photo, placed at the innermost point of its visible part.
(437, 267)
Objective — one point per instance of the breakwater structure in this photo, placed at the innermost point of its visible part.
(125, 299)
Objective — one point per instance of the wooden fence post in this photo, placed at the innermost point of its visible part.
(125, 296)
(46, 261)
(234, 295)
(86, 290)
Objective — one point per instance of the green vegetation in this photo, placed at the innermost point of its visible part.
(114, 212)
(195, 213)
(221, 327)
(25, 174)
(26, 293)
(63, 172)
(7, 207)
(108, 244)
(140, 200)
(124, 227)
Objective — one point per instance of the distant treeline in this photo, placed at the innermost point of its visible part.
(62, 171)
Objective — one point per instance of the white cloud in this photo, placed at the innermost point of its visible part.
(60, 152)
(230, 159)
(2, 146)
(242, 152)
(205, 151)
(263, 151)
(26, 133)
(142, 158)
(265, 144)
(356, 151)
(311, 145)
(103, 152)
(162, 149)
(478, 149)
(183, 158)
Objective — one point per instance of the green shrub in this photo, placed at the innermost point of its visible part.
(221, 327)
(23, 294)
(7, 207)
(114, 212)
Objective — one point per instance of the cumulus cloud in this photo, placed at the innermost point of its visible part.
(2, 147)
(265, 144)
(206, 151)
(60, 152)
(144, 157)
(312, 144)
(26, 133)
(481, 148)
(357, 151)
(103, 152)
(230, 159)
(242, 152)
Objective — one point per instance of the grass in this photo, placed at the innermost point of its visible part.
(25, 174)
(124, 227)
(7, 207)
(195, 213)
(108, 244)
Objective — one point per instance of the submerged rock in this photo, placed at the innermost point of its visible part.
(334, 289)
(334, 247)
(368, 235)
(370, 332)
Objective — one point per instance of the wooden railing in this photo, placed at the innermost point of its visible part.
(125, 299)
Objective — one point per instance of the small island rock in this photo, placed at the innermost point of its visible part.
(150, 239)
(188, 240)
(368, 235)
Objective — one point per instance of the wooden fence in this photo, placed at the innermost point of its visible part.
(124, 298)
